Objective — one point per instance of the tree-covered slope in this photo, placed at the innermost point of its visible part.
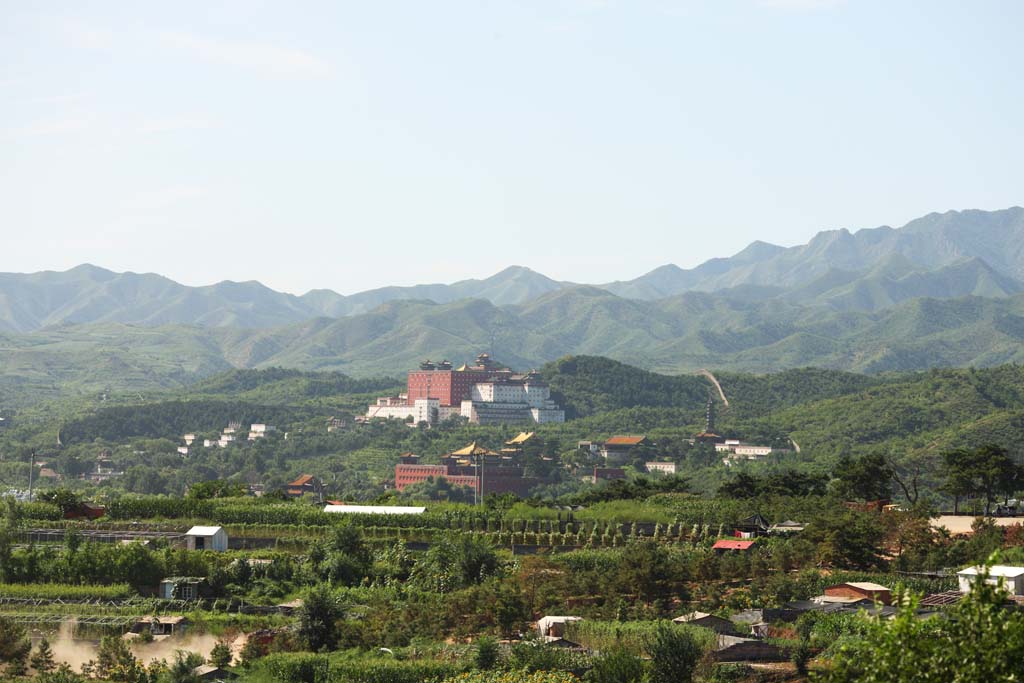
(677, 335)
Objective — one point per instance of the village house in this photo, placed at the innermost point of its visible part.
(751, 527)
(259, 431)
(85, 511)
(181, 588)
(208, 673)
(862, 590)
(161, 627)
(728, 546)
(621, 449)
(554, 626)
(1011, 578)
(207, 538)
(608, 474)
(307, 483)
(705, 620)
(666, 468)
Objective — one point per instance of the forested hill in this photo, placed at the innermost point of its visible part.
(829, 413)
(589, 385)
(677, 335)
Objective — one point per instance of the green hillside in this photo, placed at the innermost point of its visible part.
(677, 335)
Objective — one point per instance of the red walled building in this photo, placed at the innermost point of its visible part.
(497, 478)
(450, 387)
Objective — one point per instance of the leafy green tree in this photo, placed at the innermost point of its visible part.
(216, 488)
(64, 498)
(455, 561)
(617, 666)
(675, 654)
(251, 651)
(182, 668)
(318, 617)
(980, 641)
(846, 538)
(868, 477)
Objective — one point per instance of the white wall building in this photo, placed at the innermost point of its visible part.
(493, 402)
(207, 538)
(1012, 578)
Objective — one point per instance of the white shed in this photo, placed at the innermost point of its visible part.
(207, 538)
(1012, 578)
(554, 626)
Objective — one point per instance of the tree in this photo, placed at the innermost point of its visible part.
(616, 666)
(182, 669)
(866, 478)
(14, 647)
(846, 538)
(42, 659)
(64, 498)
(318, 618)
(485, 654)
(980, 641)
(455, 561)
(987, 471)
(675, 654)
(62, 674)
(116, 662)
(220, 655)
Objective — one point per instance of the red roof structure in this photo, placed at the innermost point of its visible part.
(303, 480)
(732, 545)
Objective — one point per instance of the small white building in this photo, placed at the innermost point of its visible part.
(1012, 578)
(663, 467)
(553, 626)
(259, 431)
(207, 538)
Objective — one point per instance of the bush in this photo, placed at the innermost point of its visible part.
(617, 666)
(485, 655)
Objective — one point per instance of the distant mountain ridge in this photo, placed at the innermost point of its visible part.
(678, 334)
(949, 255)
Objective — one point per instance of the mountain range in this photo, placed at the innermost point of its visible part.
(944, 290)
(949, 255)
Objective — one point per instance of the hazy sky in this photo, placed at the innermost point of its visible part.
(355, 144)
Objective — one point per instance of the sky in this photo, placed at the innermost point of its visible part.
(351, 145)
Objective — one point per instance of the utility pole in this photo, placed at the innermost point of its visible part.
(31, 475)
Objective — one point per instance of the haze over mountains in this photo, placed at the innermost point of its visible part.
(946, 289)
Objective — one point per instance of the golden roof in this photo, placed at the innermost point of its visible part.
(522, 438)
(473, 449)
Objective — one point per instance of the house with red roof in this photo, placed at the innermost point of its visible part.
(727, 545)
(307, 483)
